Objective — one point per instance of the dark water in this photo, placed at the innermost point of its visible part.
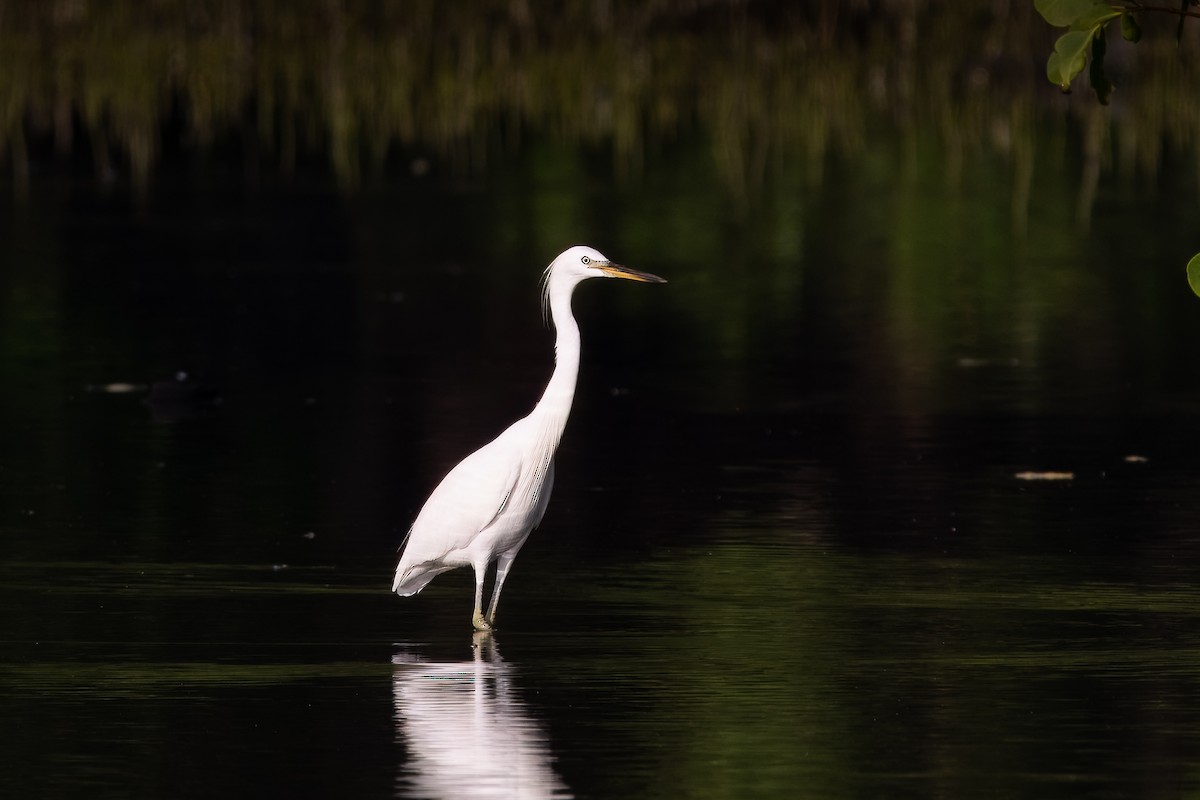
(891, 491)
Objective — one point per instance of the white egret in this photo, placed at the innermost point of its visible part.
(485, 508)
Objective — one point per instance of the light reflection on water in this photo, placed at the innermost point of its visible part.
(467, 731)
(879, 673)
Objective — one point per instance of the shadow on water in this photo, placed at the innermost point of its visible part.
(466, 731)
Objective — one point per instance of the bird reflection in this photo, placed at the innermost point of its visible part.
(467, 732)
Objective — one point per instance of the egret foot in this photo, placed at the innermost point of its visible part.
(480, 623)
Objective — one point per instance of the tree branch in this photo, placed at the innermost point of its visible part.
(1179, 12)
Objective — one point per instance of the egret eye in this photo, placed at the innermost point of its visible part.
(586, 260)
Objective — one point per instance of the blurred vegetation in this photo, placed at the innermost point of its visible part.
(119, 88)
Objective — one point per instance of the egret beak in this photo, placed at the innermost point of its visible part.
(612, 270)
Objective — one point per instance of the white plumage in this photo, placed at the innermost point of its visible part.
(485, 508)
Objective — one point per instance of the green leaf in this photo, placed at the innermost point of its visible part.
(1193, 273)
(1095, 17)
(1062, 13)
(1069, 56)
(1100, 82)
(1130, 30)
(1068, 59)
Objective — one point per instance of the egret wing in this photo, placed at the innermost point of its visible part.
(544, 490)
(466, 502)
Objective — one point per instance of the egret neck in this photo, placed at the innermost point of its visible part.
(554, 408)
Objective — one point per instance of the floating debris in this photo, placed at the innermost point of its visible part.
(1044, 476)
(116, 387)
(1135, 459)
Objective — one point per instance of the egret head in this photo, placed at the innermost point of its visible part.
(583, 262)
(579, 263)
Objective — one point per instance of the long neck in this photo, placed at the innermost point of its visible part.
(555, 406)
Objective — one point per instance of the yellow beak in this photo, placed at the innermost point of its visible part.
(617, 271)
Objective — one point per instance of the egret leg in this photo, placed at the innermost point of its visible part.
(477, 618)
(502, 565)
